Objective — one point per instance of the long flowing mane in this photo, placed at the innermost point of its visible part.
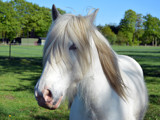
(109, 63)
(80, 30)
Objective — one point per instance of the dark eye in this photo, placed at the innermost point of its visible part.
(72, 47)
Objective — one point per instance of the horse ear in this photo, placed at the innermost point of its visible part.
(92, 16)
(55, 12)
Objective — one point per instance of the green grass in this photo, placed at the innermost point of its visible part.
(19, 75)
(21, 51)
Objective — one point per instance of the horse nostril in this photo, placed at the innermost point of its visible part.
(36, 93)
(47, 95)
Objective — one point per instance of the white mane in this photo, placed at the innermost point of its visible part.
(79, 30)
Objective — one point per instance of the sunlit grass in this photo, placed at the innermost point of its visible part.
(18, 77)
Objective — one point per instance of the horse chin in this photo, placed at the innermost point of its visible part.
(51, 105)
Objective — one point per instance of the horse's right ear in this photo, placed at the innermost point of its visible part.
(92, 16)
(55, 13)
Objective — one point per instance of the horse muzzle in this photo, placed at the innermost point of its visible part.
(46, 100)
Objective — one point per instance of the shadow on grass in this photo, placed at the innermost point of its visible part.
(40, 117)
(20, 66)
(151, 70)
(154, 99)
(55, 117)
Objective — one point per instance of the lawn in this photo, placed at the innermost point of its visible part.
(21, 51)
(19, 74)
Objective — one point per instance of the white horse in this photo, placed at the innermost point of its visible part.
(79, 63)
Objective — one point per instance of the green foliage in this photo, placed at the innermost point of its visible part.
(129, 21)
(138, 30)
(134, 29)
(127, 25)
(152, 29)
(33, 18)
(107, 32)
(8, 20)
(21, 18)
(61, 11)
(121, 38)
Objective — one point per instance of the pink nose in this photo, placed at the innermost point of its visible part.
(46, 99)
(47, 95)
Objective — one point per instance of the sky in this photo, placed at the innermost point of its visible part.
(110, 11)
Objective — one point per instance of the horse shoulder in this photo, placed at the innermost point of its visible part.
(78, 110)
(132, 75)
(128, 64)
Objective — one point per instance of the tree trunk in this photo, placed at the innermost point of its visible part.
(155, 42)
(152, 42)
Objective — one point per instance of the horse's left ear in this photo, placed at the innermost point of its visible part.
(92, 16)
(55, 13)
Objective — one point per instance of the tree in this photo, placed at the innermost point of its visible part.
(2, 14)
(20, 18)
(151, 29)
(31, 16)
(100, 27)
(107, 32)
(127, 25)
(139, 31)
(114, 28)
(121, 38)
(8, 17)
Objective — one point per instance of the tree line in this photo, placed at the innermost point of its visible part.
(134, 29)
(19, 18)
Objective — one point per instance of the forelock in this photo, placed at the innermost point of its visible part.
(68, 28)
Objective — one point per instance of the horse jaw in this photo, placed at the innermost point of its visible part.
(51, 81)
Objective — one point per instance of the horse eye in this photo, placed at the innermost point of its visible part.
(72, 47)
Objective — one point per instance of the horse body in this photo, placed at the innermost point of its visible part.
(96, 100)
(79, 63)
(108, 105)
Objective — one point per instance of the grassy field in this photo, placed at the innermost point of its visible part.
(19, 74)
(21, 51)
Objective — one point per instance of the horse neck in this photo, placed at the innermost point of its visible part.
(94, 89)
